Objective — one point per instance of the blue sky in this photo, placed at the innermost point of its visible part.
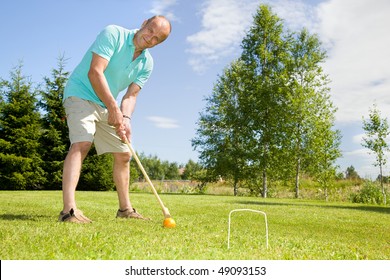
(206, 37)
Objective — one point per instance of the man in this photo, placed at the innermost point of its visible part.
(118, 59)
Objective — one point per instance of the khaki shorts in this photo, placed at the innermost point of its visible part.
(87, 122)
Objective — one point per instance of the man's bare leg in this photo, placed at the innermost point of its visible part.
(121, 175)
(71, 173)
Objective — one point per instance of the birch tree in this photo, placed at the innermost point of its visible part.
(377, 129)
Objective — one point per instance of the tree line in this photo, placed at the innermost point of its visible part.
(34, 139)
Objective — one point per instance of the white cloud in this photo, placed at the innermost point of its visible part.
(363, 152)
(223, 27)
(296, 14)
(163, 7)
(162, 122)
(358, 139)
(355, 32)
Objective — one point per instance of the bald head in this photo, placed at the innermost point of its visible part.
(153, 32)
(163, 21)
(161, 24)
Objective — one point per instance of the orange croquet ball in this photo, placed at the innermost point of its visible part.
(169, 223)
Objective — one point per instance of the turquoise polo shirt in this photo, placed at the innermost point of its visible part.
(115, 44)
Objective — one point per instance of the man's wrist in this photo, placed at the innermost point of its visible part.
(127, 117)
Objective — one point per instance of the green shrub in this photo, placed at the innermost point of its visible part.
(371, 193)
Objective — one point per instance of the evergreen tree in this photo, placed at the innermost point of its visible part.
(96, 172)
(20, 131)
(55, 139)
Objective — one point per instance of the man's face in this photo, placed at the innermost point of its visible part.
(151, 34)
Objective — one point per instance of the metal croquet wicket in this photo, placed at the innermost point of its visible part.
(249, 210)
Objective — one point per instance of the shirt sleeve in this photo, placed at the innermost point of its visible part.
(106, 42)
(143, 76)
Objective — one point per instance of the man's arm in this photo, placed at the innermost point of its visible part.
(128, 105)
(102, 90)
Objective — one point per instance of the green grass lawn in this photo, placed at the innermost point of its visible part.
(298, 229)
